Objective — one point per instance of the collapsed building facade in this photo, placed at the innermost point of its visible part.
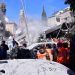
(7, 28)
(58, 25)
(2, 20)
(61, 22)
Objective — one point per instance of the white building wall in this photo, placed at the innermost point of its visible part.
(64, 16)
(11, 27)
(52, 21)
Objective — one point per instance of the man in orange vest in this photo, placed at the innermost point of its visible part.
(45, 53)
(62, 54)
(41, 53)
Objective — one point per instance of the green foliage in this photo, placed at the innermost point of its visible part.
(71, 3)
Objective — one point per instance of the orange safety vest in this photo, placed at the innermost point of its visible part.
(43, 56)
(62, 56)
(68, 54)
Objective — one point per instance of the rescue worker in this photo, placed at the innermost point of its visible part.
(45, 53)
(55, 52)
(65, 45)
(49, 52)
(41, 53)
(14, 51)
(62, 54)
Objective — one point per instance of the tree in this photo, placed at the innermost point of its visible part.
(71, 3)
(72, 39)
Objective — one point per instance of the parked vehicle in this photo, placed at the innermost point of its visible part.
(33, 67)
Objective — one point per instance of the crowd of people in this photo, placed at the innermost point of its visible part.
(55, 52)
(59, 52)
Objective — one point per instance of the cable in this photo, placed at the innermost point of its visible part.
(59, 32)
(23, 7)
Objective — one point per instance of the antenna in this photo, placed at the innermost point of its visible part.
(22, 4)
(43, 6)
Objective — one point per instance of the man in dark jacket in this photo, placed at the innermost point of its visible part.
(4, 47)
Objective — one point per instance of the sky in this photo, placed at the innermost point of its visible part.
(33, 8)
